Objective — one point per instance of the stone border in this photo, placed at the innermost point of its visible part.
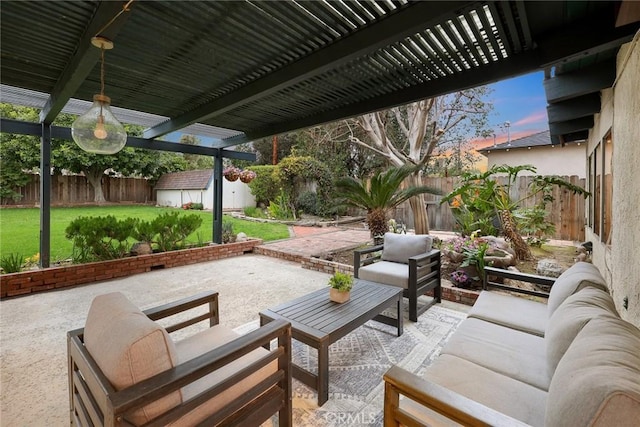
(28, 282)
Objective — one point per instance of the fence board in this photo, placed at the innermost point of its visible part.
(74, 189)
(567, 212)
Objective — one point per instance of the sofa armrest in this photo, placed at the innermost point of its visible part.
(523, 277)
(441, 400)
(204, 298)
(358, 261)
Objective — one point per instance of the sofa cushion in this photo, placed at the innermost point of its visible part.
(499, 392)
(569, 319)
(597, 382)
(400, 247)
(207, 340)
(129, 347)
(513, 312)
(578, 276)
(509, 352)
(389, 273)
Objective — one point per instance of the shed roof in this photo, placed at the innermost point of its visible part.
(187, 180)
(539, 139)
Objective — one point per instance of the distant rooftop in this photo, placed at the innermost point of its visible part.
(187, 180)
(536, 140)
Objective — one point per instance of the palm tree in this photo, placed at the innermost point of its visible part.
(379, 194)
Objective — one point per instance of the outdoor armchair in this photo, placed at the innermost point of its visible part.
(125, 369)
(407, 261)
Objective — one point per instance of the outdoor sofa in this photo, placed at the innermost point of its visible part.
(570, 362)
(125, 369)
(403, 260)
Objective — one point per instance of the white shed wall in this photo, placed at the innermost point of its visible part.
(564, 161)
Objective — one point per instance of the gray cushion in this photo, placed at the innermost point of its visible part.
(514, 312)
(516, 354)
(400, 247)
(580, 275)
(499, 392)
(569, 319)
(597, 382)
(389, 273)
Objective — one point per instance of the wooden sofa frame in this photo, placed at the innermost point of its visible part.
(441, 400)
(94, 402)
(418, 285)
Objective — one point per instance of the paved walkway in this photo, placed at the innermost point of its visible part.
(314, 241)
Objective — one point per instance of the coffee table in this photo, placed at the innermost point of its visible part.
(318, 322)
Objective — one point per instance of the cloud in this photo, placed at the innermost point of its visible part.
(533, 118)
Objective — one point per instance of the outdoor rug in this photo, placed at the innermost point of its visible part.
(357, 363)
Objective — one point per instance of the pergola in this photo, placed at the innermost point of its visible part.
(245, 70)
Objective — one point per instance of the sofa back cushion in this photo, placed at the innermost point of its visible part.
(597, 382)
(400, 247)
(578, 276)
(129, 347)
(569, 319)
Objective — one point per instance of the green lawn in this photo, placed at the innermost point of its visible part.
(20, 228)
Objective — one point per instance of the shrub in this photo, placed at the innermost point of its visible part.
(228, 236)
(193, 206)
(100, 238)
(343, 282)
(307, 202)
(281, 208)
(254, 212)
(11, 263)
(172, 229)
(266, 184)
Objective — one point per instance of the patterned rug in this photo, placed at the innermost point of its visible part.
(357, 363)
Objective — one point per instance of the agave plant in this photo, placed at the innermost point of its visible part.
(379, 194)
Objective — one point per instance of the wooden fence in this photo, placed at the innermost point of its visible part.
(74, 189)
(567, 212)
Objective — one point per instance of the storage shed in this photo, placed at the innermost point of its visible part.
(196, 186)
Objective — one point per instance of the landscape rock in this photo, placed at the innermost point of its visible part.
(549, 267)
(141, 248)
(241, 237)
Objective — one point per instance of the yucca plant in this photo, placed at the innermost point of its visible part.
(379, 194)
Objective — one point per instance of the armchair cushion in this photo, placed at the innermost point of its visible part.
(580, 275)
(389, 273)
(596, 381)
(569, 319)
(198, 344)
(401, 247)
(140, 349)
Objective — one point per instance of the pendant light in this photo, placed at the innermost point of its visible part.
(97, 130)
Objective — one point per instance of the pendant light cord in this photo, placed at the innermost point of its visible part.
(102, 71)
(125, 8)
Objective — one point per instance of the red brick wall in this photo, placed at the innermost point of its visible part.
(61, 277)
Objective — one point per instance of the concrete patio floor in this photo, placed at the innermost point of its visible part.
(33, 377)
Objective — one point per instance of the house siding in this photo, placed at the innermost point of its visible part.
(620, 111)
(558, 160)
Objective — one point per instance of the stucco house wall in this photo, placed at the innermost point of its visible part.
(557, 160)
(619, 261)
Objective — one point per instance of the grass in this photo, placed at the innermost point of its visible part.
(20, 227)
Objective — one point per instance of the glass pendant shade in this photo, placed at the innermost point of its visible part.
(97, 130)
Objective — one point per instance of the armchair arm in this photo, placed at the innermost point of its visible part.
(172, 308)
(359, 262)
(523, 277)
(437, 398)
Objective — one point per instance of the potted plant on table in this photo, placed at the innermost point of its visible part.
(341, 284)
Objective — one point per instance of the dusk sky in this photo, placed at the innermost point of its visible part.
(521, 101)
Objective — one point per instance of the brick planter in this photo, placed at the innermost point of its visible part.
(28, 282)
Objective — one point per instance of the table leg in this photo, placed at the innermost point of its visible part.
(400, 317)
(323, 374)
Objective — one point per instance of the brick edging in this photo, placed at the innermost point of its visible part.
(29, 282)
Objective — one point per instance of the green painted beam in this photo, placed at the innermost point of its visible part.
(581, 82)
(574, 108)
(571, 126)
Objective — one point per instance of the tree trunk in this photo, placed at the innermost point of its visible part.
(511, 233)
(418, 207)
(94, 178)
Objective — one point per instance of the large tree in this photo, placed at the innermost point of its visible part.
(408, 135)
(67, 156)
